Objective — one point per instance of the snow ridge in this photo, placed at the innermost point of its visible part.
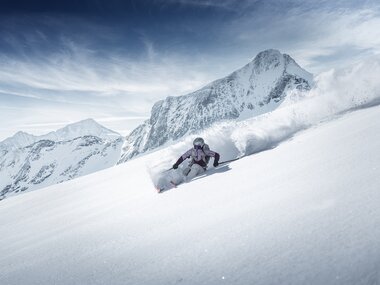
(31, 162)
(71, 131)
(257, 88)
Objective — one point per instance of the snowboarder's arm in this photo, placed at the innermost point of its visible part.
(216, 159)
(213, 154)
(179, 161)
(187, 154)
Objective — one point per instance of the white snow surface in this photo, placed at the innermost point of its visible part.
(305, 212)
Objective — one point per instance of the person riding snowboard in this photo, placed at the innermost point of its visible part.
(200, 155)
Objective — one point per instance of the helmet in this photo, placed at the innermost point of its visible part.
(199, 142)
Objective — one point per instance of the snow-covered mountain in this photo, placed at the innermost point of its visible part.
(257, 88)
(87, 127)
(30, 162)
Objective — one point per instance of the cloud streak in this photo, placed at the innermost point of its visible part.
(314, 34)
(78, 69)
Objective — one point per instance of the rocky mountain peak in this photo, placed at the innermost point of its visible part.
(19, 139)
(257, 88)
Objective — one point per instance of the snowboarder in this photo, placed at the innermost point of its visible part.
(200, 155)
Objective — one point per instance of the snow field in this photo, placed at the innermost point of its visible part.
(305, 212)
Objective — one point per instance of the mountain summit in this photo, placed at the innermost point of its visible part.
(88, 127)
(257, 88)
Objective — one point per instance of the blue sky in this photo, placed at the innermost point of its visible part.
(63, 61)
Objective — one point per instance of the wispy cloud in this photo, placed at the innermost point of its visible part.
(36, 125)
(118, 119)
(309, 32)
(231, 5)
(80, 71)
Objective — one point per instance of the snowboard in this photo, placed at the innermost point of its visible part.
(165, 182)
(161, 189)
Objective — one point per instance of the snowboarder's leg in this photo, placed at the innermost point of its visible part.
(177, 178)
(194, 171)
(186, 170)
(163, 183)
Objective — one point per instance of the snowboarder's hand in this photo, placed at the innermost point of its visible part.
(216, 163)
(175, 166)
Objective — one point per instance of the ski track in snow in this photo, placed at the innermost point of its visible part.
(306, 212)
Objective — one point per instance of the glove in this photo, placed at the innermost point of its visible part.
(216, 163)
(179, 161)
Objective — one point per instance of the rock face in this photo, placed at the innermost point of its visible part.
(257, 88)
(29, 162)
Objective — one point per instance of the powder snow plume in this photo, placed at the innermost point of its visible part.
(334, 92)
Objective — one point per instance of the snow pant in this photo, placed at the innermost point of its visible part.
(189, 173)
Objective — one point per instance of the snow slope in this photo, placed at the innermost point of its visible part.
(305, 212)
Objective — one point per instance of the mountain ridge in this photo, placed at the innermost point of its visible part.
(256, 88)
(70, 131)
(30, 162)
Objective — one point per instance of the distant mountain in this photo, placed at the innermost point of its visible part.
(30, 162)
(258, 87)
(71, 131)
